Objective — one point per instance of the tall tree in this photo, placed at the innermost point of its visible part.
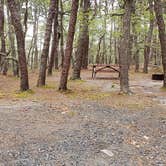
(2, 23)
(45, 51)
(16, 21)
(2, 37)
(148, 39)
(12, 44)
(61, 33)
(69, 45)
(54, 49)
(124, 48)
(162, 34)
(83, 40)
(86, 12)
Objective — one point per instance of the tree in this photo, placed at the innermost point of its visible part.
(83, 41)
(86, 13)
(2, 36)
(148, 39)
(16, 21)
(61, 33)
(162, 34)
(12, 44)
(45, 51)
(54, 51)
(2, 23)
(124, 48)
(69, 45)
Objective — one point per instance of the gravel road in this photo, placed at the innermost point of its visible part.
(89, 134)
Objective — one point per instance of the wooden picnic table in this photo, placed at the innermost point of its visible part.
(100, 67)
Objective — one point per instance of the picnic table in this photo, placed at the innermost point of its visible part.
(101, 67)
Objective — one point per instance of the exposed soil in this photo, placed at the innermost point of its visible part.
(90, 125)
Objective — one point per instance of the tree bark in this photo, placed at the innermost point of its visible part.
(16, 21)
(2, 20)
(61, 34)
(54, 51)
(124, 49)
(83, 42)
(162, 34)
(45, 51)
(69, 45)
(2, 36)
(12, 45)
(35, 37)
(148, 39)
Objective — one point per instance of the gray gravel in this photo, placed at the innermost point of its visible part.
(134, 138)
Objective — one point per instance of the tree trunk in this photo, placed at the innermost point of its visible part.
(61, 34)
(162, 34)
(35, 35)
(54, 51)
(2, 20)
(69, 45)
(135, 38)
(45, 51)
(16, 21)
(86, 51)
(148, 39)
(124, 49)
(83, 42)
(86, 33)
(2, 36)
(12, 44)
(98, 50)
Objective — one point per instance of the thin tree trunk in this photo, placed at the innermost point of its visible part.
(35, 52)
(16, 21)
(12, 45)
(45, 51)
(98, 50)
(54, 51)
(124, 49)
(2, 36)
(69, 45)
(162, 34)
(61, 34)
(135, 39)
(2, 21)
(148, 39)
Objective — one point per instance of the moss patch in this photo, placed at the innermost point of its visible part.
(48, 87)
(24, 94)
(1, 95)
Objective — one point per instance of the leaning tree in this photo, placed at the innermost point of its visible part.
(69, 46)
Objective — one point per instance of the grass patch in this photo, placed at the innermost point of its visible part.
(1, 95)
(87, 93)
(163, 89)
(48, 87)
(78, 81)
(24, 94)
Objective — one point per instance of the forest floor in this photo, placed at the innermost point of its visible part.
(89, 125)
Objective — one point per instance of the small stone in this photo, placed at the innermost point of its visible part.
(108, 152)
(146, 137)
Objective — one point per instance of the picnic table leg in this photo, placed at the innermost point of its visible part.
(93, 72)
